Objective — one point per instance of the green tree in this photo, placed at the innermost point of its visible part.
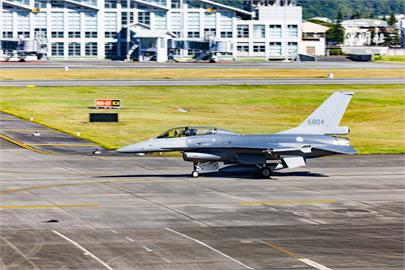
(392, 20)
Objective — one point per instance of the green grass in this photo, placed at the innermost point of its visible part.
(194, 73)
(386, 58)
(375, 115)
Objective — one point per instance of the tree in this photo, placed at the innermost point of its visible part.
(336, 31)
(356, 15)
(392, 20)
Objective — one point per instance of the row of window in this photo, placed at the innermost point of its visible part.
(59, 34)
(275, 48)
(259, 31)
(74, 49)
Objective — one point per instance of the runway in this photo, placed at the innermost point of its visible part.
(188, 82)
(68, 209)
(339, 63)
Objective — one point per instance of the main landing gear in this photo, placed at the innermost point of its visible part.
(266, 172)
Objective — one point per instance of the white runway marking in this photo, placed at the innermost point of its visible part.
(114, 231)
(83, 249)
(147, 249)
(130, 239)
(166, 260)
(211, 248)
(314, 264)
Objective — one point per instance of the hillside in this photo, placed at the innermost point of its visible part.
(349, 8)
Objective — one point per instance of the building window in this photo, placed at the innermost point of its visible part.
(210, 32)
(74, 34)
(40, 33)
(292, 31)
(124, 19)
(57, 49)
(110, 35)
(110, 20)
(175, 3)
(110, 3)
(91, 48)
(57, 4)
(91, 34)
(57, 34)
(259, 47)
(7, 34)
(243, 31)
(160, 21)
(192, 34)
(74, 24)
(7, 24)
(124, 3)
(23, 23)
(24, 34)
(275, 48)
(90, 24)
(74, 49)
(40, 3)
(193, 25)
(176, 22)
(259, 31)
(226, 34)
(144, 17)
(242, 47)
(292, 48)
(57, 24)
(275, 31)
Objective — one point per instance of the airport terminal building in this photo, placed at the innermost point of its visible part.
(154, 30)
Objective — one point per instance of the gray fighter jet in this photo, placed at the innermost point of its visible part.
(206, 147)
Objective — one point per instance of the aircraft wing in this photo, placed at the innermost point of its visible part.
(305, 149)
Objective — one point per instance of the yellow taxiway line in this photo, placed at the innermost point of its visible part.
(63, 144)
(47, 206)
(25, 146)
(28, 130)
(288, 202)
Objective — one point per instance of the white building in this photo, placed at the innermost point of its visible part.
(110, 28)
(313, 39)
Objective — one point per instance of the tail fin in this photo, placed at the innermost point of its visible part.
(326, 118)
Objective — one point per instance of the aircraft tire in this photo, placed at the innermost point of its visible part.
(266, 172)
(195, 174)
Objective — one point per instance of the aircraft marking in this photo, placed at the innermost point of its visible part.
(87, 252)
(211, 248)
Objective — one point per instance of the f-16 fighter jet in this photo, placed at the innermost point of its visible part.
(207, 147)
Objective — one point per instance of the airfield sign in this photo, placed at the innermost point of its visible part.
(108, 103)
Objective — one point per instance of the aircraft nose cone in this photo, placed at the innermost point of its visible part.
(133, 148)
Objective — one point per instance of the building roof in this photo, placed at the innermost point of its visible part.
(309, 27)
(364, 23)
(237, 10)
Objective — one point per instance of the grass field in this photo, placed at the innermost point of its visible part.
(386, 58)
(375, 115)
(43, 74)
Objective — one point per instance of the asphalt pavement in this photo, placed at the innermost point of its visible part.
(188, 82)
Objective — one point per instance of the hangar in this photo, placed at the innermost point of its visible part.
(155, 30)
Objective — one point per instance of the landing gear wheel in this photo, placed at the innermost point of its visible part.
(266, 172)
(195, 174)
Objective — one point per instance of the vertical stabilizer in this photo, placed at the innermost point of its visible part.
(326, 118)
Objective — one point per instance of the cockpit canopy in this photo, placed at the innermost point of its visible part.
(190, 131)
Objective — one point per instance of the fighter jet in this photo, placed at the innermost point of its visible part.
(207, 147)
